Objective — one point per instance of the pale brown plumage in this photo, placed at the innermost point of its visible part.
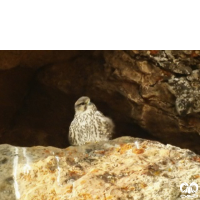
(89, 125)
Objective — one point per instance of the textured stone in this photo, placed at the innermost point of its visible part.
(150, 94)
(125, 168)
(187, 92)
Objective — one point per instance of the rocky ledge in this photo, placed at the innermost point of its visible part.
(124, 168)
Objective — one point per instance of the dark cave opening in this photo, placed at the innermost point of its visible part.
(38, 90)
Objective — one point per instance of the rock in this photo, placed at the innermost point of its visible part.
(125, 168)
(187, 92)
(33, 59)
(148, 94)
(152, 106)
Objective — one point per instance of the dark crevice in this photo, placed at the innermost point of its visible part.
(30, 86)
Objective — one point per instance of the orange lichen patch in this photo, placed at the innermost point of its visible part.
(100, 152)
(156, 173)
(85, 196)
(138, 151)
(47, 151)
(72, 173)
(111, 149)
(83, 181)
(52, 171)
(132, 188)
(96, 197)
(124, 147)
(154, 52)
(196, 176)
(95, 170)
(71, 151)
(172, 161)
(69, 189)
(196, 158)
(143, 185)
(143, 146)
(109, 197)
(53, 179)
(50, 163)
(53, 192)
(86, 155)
(60, 154)
(126, 188)
(26, 177)
(75, 172)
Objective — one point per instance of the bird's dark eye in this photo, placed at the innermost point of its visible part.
(81, 104)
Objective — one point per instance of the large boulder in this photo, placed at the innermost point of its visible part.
(125, 168)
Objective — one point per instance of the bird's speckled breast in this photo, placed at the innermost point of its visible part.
(89, 126)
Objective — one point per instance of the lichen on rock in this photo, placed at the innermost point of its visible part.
(187, 92)
(167, 60)
(124, 168)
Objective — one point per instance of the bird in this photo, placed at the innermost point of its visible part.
(89, 125)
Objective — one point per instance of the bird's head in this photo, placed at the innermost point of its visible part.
(83, 104)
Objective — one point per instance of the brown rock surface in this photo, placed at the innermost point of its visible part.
(148, 94)
(125, 168)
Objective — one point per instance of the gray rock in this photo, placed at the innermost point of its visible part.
(187, 92)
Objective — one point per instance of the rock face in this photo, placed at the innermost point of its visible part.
(148, 94)
(125, 168)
